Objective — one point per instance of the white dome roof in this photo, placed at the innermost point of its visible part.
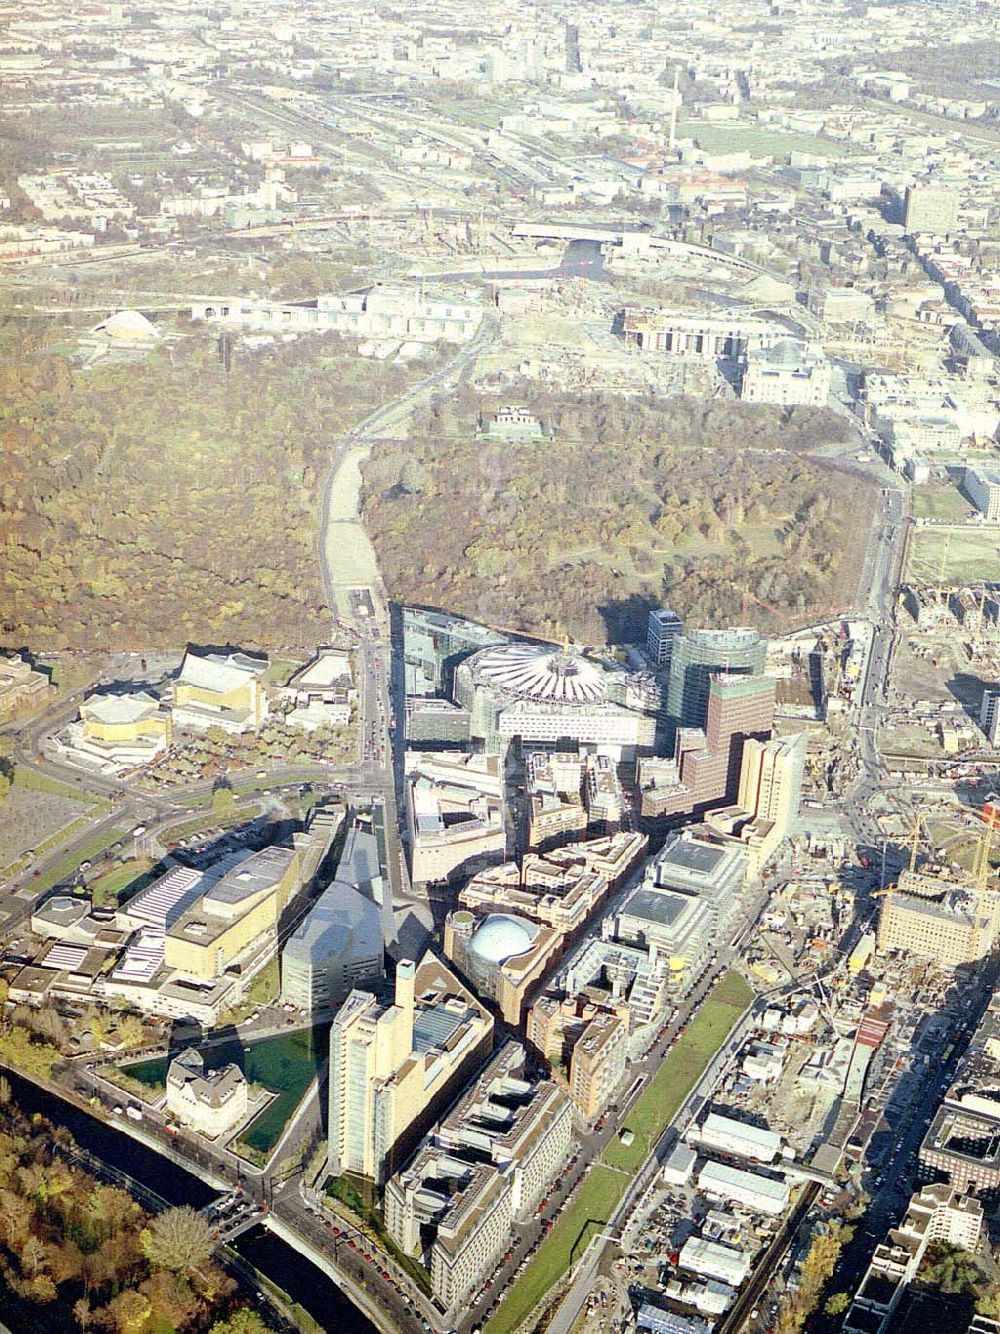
(131, 325)
(502, 936)
(533, 671)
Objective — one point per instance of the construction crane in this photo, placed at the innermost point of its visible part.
(981, 614)
(945, 549)
(981, 864)
(918, 821)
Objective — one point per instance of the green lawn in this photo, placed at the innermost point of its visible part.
(286, 1064)
(681, 1069)
(70, 864)
(739, 136)
(594, 1204)
(113, 884)
(598, 1197)
(39, 782)
(265, 986)
(943, 502)
(279, 670)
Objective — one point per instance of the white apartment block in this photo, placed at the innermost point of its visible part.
(982, 486)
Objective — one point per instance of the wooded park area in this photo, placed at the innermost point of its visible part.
(715, 507)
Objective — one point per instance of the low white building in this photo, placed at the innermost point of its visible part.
(710, 1260)
(322, 693)
(982, 486)
(211, 1102)
(764, 1195)
(376, 312)
(738, 1139)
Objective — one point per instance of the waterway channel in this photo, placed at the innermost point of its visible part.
(303, 1282)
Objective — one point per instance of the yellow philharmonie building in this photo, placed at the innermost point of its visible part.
(220, 690)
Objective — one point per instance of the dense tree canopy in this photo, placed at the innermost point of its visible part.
(170, 500)
(716, 506)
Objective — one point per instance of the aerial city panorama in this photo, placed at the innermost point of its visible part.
(499, 667)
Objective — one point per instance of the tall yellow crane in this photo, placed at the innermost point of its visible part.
(981, 863)
(918, 821)
(945, 549)
(981, 867)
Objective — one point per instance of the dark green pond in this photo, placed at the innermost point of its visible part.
(284, 1064)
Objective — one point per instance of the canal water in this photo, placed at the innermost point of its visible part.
(290, 1270)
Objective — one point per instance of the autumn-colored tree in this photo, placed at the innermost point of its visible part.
(129, 1311)
(243, 1321)
(131, 1031)
(178, 1239)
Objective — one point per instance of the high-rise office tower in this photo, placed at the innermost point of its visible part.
(663, 626)
(698, 655)
(771, 780)
(393, 1066)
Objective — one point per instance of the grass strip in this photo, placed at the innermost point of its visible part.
(598, 1197)
(682, 1067)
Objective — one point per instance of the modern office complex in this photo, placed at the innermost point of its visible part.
(727, 335)
(503, 956)
(543, 695)
(962, 1143)
(433, 646)
(937, 1213)
(487, 1164)
(663, 627)
(597, 1064)
(394, 1066)
(433, 724)
(632, 980)
(989, 716)
(454, 814)
(937, 918)
(767, 805)
(697, 656)
(679, 927)
(337, 948)
(338, 945)
(982, 486)
(236, 919)
(704, 865)
(561, 888)
(705, 770)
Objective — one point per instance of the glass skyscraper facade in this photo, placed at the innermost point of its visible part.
(697, 655)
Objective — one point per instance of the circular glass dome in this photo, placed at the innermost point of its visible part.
(502, 937)
(535, 671)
